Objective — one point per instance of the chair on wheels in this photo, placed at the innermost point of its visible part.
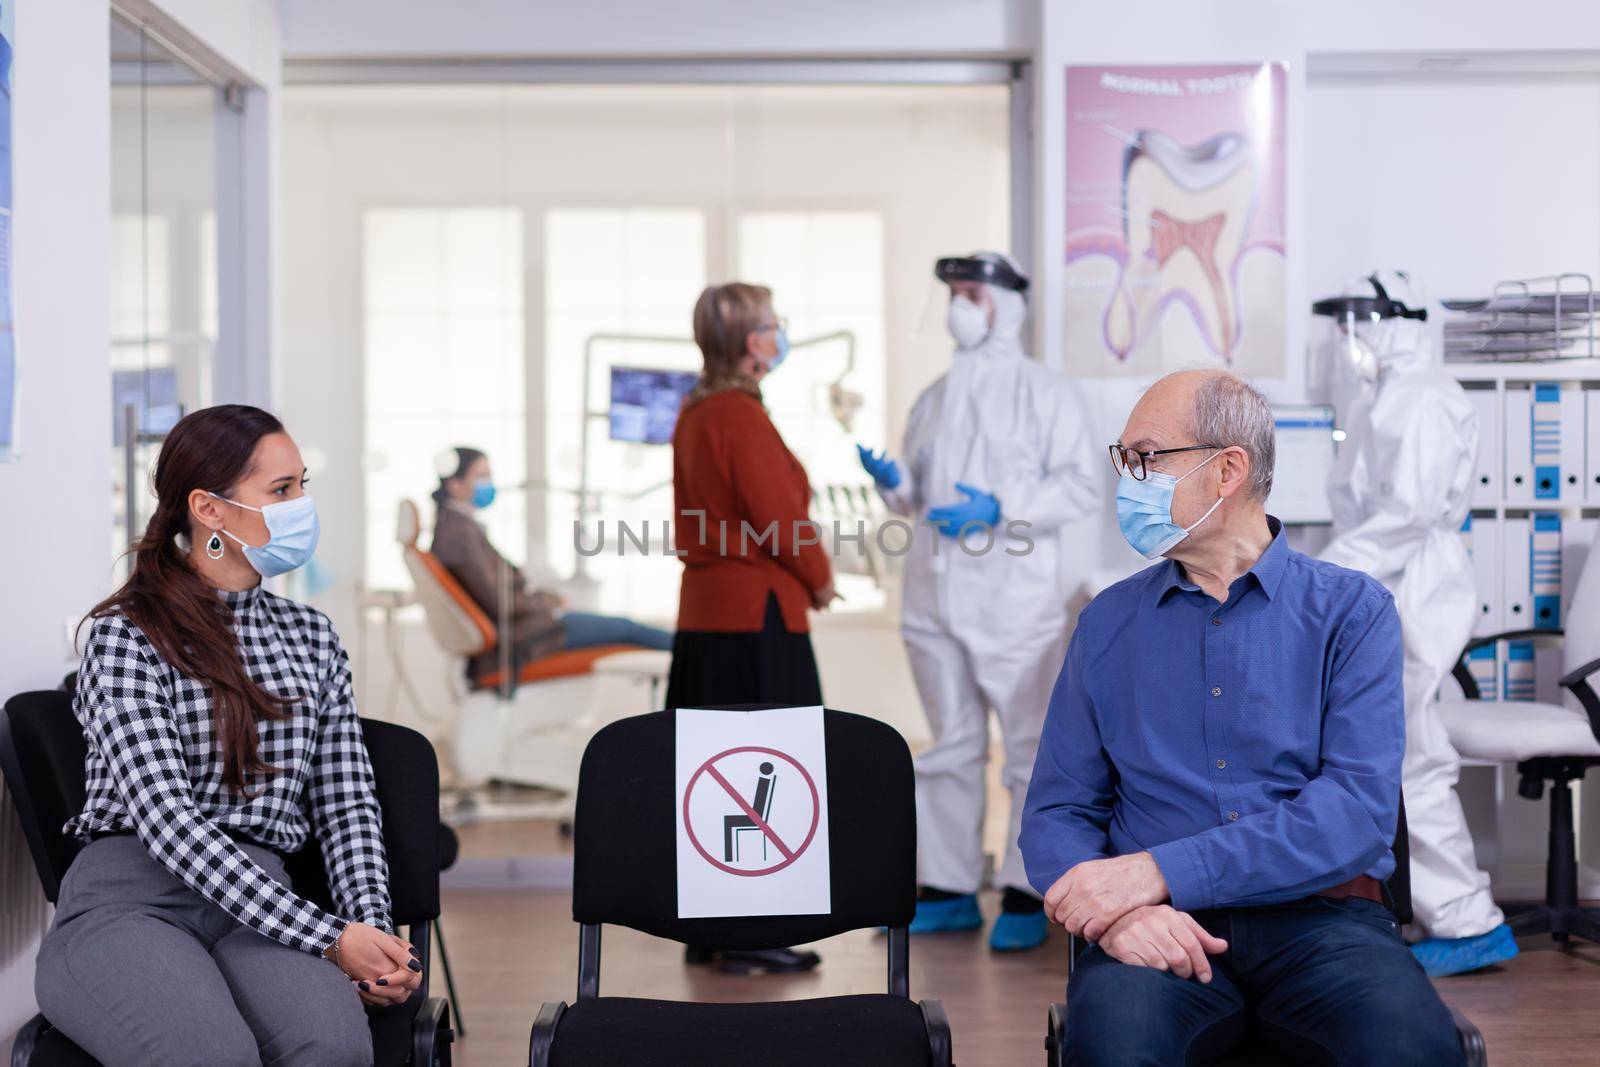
(42, 754)
(1397, 891)
(1552, 743)
(625, 872)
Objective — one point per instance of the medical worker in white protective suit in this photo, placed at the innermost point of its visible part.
(998, 441)
(1400, 492)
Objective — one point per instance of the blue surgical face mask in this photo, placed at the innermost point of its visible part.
(292, 534)
(782, 341)
(482, 493)
(1144, 511)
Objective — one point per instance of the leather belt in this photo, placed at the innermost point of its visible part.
(1362, 885)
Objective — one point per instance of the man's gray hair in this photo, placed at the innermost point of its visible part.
(1229, 411)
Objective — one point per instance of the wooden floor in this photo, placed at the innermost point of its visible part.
(513, 950)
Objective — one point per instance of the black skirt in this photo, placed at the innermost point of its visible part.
(770, 667)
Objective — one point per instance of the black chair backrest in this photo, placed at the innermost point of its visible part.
(42, 755)
(625, 836)
(405, 774)
(1399, 883)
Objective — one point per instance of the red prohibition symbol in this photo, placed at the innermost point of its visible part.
(708, 768)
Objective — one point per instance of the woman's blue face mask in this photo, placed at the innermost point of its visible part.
(1144, 511)
(292, 535)
(482, 493)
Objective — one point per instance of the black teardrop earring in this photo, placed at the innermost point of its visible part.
(215, 547)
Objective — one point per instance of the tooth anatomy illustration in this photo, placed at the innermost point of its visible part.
(1185, 212)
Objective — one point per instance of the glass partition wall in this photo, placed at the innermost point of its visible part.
(164, 314)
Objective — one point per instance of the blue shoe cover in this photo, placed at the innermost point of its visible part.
(1018, 931)
(939, 916)
(1441, 956)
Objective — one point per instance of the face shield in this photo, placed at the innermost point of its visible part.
(986, 268)
(1355, 335)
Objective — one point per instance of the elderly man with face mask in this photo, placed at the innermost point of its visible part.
(999, 439)
(1218, 783)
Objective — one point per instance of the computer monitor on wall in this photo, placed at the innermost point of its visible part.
(645, 403)
(1306, 451)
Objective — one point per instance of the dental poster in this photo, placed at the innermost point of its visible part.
(1175, 219)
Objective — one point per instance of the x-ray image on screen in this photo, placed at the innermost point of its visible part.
(645, 403)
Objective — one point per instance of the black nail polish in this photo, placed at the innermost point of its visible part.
(364, 987)
(415, 965)
(383, 981)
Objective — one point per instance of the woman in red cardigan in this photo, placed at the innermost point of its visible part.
(752, 564)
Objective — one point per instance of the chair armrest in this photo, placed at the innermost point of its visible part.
(1472, 1045)
(1577, 683)
(27, 1040)
(431, 1035)
(543, 1037)
(1463, 675)
(1509, 635)
(1055, 1039)
(938, 1026)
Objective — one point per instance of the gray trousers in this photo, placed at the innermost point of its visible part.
(139, 969)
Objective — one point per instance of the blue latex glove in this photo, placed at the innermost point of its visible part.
(979, 507)
(885, 471)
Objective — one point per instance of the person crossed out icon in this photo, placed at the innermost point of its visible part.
(761, 804)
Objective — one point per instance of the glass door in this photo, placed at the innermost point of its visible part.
(163, 258)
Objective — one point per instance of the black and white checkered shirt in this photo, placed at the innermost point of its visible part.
(155, 768)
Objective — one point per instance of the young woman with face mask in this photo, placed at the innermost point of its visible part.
(541, 624)
(222, 734)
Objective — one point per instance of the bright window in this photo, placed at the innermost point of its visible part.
(444, 365)
(612, 276)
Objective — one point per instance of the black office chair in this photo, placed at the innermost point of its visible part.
(625, 872)
(41, 755)
(1397, 891)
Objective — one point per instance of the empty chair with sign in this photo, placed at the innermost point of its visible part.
(625, 872)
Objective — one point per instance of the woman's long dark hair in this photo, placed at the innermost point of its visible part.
(182, 615)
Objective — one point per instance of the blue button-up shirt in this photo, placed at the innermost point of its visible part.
(1252, 748)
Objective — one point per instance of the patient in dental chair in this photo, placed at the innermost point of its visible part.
(540, 623)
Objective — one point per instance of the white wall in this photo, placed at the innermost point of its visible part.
(659, 28)
(53, 561)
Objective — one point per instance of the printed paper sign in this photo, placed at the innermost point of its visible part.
(752, 813)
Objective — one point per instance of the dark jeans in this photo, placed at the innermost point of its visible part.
(1320, 981)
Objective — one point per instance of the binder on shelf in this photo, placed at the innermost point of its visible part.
(1519, 444)
(1482, 537)
(1544, 571)
(1573, 457)
(1491, 456)
(1515, 574)
(1521, 679)
(1592, 446)
(1546, 445)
